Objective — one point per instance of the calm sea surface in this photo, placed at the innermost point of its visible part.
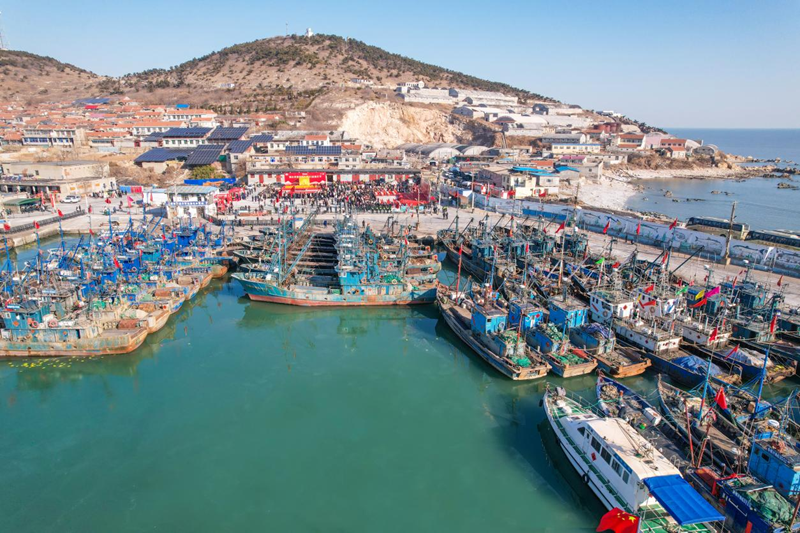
(760, 203)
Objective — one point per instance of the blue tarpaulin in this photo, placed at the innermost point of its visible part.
(697, 365)
(229, 181)
(562, 169)
(538, 171)
(681, 501)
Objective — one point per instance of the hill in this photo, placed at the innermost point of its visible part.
(34, 78)
(271, 73)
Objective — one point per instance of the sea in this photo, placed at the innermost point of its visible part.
(759, 201)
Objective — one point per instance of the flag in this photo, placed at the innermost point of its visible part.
(608, 225)
(163, 236)
(682, 290)
(91, 232)
(619, 521)
(600, 261)
(461, 246)
(720, 399)
(699, 304)
(116, 264)
(780, 280)
(664, 258)
(6, 227)
(733, 351)
(648, 304)
(772, 323)
(638, 228)
(712, 292)
(543, 194)
(60, 214)
(650, 288)
(564, 224)
(674, 223)
(700, 294)
(526, 248)
(713, 335)
(108, 200)
(615, 265)
(35, 224)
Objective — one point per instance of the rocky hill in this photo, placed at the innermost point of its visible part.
(32, 78)
(270, 73)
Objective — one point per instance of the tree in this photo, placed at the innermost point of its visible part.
(206, 172)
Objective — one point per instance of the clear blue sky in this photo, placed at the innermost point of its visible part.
(679, 63)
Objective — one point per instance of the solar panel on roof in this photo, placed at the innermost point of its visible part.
(227, 134)
(238, 147)
(205, 154)
(187, 132)
(262, 138)
(160, 155)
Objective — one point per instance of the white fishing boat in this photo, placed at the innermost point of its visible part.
(624, 470)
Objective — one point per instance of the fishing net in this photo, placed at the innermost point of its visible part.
(568, 358)
(769, 504)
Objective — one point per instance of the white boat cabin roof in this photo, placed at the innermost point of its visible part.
(628, 445)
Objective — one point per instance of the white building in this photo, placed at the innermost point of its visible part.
(575, 148)
(429, 96)
(483, 97)
(191, 201)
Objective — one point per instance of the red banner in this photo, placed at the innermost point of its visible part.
(304, 179)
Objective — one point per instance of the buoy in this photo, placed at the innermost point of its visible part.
(34, 324)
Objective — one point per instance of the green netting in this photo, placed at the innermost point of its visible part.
(568, 358)
(553, 332)
(522, 361)
(769, 504)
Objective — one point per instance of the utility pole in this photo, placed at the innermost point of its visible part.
(727, 258)
(3, 40)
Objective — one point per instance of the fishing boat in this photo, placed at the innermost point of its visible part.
(363, 277)
(599, 342)
(30, 328)
(484, 328)
(683, 409)
(749, 505)
(565, 360)
(623, 469)
(618, 401)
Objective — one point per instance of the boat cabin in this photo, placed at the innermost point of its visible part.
(528, 314)
(621, 455)
(567, 311)
(648, 337)
(488, 320)
(608, 305)
(777, 461)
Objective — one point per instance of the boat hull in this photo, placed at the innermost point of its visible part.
(100, 346)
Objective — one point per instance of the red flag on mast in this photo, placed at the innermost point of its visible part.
(780, 280)
(720, 398)
(619, 521)
(674, 224)
(608, 225)
(35, 224)
(650, 288)
(638, 228)
(563, 224)
(60, 214)
(773, 323)
(713, 335)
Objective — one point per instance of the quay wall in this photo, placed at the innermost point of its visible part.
(623, 226)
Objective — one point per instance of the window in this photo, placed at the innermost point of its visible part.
(605, 455)
(625, 476)
(582, 430)
(595, 444)
(616, 468)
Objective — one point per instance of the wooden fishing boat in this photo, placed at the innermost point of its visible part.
(600, 343)
(483, 328)
(727, 440)
(618, 401)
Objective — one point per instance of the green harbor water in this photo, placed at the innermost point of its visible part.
(245, 416)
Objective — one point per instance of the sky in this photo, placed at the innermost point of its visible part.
(704, 64)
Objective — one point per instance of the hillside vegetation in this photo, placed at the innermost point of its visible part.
(32, 78)
(271, 74)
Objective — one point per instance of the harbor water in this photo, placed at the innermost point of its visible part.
(760, 203)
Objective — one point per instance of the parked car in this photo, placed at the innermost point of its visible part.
(71, 199)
